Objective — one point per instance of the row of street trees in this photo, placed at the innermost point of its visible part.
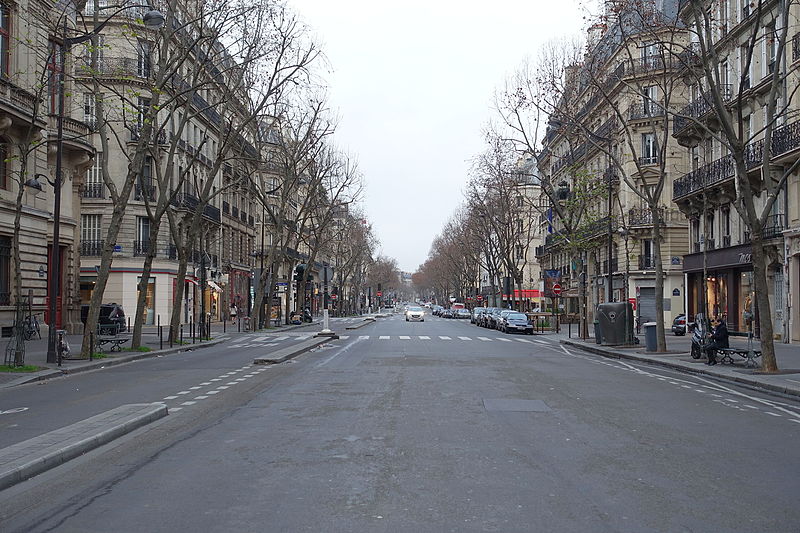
(596, 122)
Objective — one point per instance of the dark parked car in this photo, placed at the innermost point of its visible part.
(679, 325)
(110, 315)
(515, 321)
(493, 318)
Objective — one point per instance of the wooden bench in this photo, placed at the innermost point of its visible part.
(109, 334)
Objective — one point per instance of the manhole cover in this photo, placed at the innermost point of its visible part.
(510, 404)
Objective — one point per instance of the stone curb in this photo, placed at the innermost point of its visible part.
(26, 459)
(101, 363)
(743, 380)
(366, 321)
(290, 352)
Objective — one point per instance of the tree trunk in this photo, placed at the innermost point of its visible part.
(141, 297)
(175, 317)
(768, 361)
(661, 340)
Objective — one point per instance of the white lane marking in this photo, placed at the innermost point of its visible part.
(213, 392)
(363, 337)
(223, 387)
(464, 338)
(484, 338)
(405, 337)
(173, 409)
(502, 339)
(232, 383)
(215, 379)
(188, 403)
(384, 337)
(772, 414)
(170, 397)
(195, 388)
(236, 345)
(240, 379)
(202, 397)
(445, 337)
(525, 341)
(424, 338)
(344, 337)
(281, 338)
(540, 341)
(184, 392)
(205, 383)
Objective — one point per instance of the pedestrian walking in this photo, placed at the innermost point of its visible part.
(233, 312)
(719, 339)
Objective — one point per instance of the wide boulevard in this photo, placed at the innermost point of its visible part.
(409, 427)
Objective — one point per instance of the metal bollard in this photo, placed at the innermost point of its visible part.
(181, 333)
(208, 330)
(160, 337)
(239, 326)
(129, 324)
(192, 326)
(224, 324)
(570, 330)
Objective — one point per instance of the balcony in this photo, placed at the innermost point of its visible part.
(93, 190)
(691, 57)
(645, 110)
(648, 160)
(647, 262)
(91, 248)
(611, 175)
(144, 191)
(643, 216)
(18, 96)
(539, 251)
(774, 226)
(647, 64)
(185, 201)
(135, 131)
(726, 241)
(141, 248)
(696, 109)
(785, 139)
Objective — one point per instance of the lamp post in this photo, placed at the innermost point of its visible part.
(610, 290)
(152, 19)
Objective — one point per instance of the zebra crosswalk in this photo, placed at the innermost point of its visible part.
(276, 339)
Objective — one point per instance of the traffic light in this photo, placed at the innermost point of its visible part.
(298, 272)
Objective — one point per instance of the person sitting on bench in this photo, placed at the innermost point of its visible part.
(719, 339)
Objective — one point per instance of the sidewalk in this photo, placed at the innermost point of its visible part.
(36, 351)
(787, 381)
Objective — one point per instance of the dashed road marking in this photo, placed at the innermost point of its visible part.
(465, 338)
(444, 337)
(188, 403)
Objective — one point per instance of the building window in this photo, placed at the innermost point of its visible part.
(649, 149)
(89, 109)
(93, 186)
(520, 252)
(5, 165)
(53, 73)
(141, 110)
(143, 64)
(5, 39)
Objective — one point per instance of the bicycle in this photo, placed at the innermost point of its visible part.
(30, 327)
(62, 345)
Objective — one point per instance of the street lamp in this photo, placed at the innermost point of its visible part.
(152, 19)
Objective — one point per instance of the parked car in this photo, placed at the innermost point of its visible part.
(493, 319)
(679, 325)
(414, 313)
(462, 313)
(484, 318)
(110, 314)
(476, 312)
(437, 309)
(514, 321)
(447, 313)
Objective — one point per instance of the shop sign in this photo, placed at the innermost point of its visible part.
(745, 258)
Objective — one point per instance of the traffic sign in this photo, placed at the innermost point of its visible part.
(380, 293)
(557, 289)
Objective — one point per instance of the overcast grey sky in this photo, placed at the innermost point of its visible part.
(413, 84)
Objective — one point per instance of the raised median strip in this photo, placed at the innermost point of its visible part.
(290, 352)
(763, 382)
(361, 324)
(26, 459)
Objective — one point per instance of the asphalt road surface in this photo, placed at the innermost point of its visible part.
(411, 427)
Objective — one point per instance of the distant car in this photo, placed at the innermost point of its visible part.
(679, 325)
(476, 312)
(462, 313)
(415, 313)
(110, 315)
(515, 321)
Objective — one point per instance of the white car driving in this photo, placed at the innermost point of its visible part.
(415, 313)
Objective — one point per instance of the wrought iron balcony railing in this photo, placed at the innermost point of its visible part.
(94, 190)
(645, 110)
(647, 262)
(774, 226)
(142, 247)
(142, 191)
(92, 248)
(697, 109)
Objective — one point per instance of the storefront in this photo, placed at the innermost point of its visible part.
(723, 287)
